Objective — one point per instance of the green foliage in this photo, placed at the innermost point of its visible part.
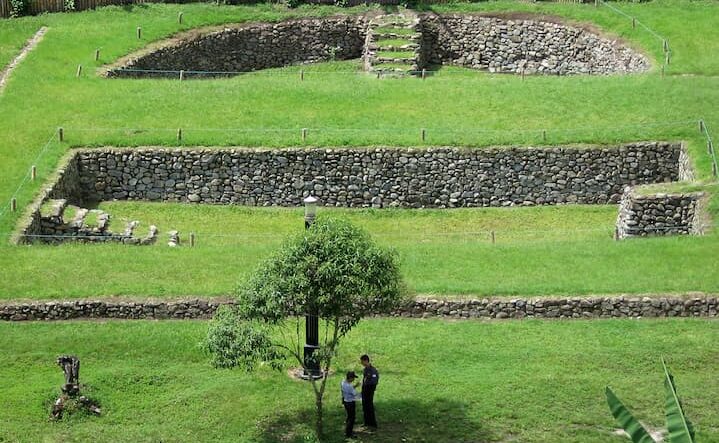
(679, 427)
(235, 343)
(626, 420)
(18, 7)
(334, 269)
(68, 5)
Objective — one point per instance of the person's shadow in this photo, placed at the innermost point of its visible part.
(407, 420)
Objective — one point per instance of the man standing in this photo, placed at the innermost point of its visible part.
(349, 399)
(369, 385)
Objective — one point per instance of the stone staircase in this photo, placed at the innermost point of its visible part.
(392, 47)
(60, 222)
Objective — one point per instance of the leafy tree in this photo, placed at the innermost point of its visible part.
(334, 270)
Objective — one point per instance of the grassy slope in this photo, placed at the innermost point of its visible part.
(44, 94)
(13, 37)
(441, 381)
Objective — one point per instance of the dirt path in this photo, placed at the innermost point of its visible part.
(29, 46)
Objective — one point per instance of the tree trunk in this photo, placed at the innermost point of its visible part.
(318, 425)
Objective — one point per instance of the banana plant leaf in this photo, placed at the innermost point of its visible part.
(626, 420)
(680, 429)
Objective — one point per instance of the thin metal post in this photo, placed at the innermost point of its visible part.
(424, 134)
(701, 126)
(302, 75)
(13, 204)
(304, 134)
(139, 32)
(97, 54)
(61, 134)
(33, 172)
(179, 135)
(710, 147)
(544, 135)
(79, 71)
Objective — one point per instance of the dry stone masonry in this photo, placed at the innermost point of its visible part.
(401, 42)
(251, 47)
(660, 214)
(478, 308)
(395, 177)
(524, 45)
(349, 177)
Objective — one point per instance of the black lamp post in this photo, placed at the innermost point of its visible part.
(312, 325)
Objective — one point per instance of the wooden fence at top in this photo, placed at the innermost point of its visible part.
(40, 6)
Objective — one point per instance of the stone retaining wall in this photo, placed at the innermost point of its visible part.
(481, 308)
(660, 214)
(531, 46)
(252, 47)
(396, 177)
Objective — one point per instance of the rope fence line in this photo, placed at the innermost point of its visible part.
(426, 130)
(664, 41)
(61, 135)
(31, 174)
(192, 238)
(710, 147)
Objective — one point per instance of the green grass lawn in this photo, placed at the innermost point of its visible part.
(552, 250)
(528, 381)
(343, 107)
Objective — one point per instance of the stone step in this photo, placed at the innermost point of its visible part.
(56, 207)
(410, 47)
(408, 61)
(102, 219)
(385, 35)
(78, 221)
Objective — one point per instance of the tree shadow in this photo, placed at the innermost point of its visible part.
(438, 420)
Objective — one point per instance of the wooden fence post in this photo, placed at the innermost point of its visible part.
(304, 134)
(701, 126)
(13, 204)
(79, 71)
(179, 135)
(192, 239)
(61, 134)
(494, 240)
(424, 134)
(139, 32)
(33, 172)
(97, 54)
(182, 74)
(179, 18)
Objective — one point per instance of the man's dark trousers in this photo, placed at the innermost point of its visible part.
(368, 405)
(350, 423)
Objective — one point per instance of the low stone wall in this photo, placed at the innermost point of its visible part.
(251, 47)
(480, 308)
(396, 177)
(532, 46)
(660, 214)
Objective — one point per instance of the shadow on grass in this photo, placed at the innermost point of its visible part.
(439, 420)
